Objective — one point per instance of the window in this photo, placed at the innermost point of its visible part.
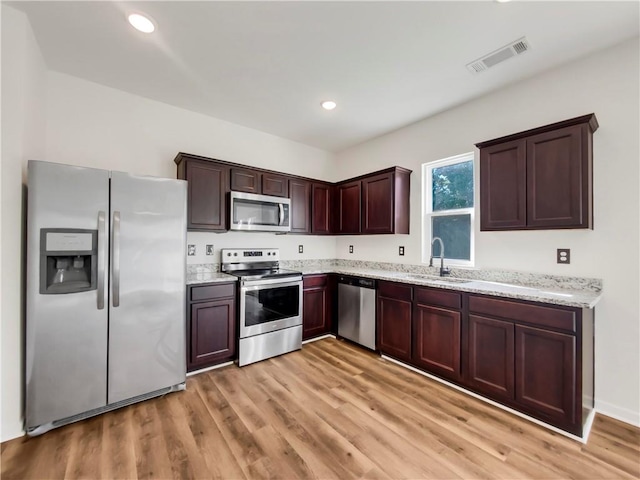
(447, 209)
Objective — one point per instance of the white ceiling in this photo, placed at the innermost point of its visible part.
(268, 65)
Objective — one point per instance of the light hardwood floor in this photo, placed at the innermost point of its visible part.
(331, 410)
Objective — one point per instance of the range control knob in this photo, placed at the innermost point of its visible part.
(235, 254)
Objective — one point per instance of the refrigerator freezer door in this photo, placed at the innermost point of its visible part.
(147, 322)
(66, 333)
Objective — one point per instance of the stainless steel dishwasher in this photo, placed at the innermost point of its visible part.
(357, 310)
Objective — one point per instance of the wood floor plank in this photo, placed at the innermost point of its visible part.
(329, 411)
(117, 438)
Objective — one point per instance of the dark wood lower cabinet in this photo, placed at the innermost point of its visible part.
(491, 357)
(436, 340)
(316, 310)
(394, 320)
(211, 325)
(546, 374)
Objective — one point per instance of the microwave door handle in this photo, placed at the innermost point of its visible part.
(281, 214)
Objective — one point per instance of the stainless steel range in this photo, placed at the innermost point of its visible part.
(270, 301)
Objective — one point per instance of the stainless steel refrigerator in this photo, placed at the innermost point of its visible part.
(105, 318)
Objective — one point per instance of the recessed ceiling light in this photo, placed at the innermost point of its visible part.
(142, 23)
(503, 1)
(328, 104)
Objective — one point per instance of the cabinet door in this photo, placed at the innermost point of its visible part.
(320, 208)
(394, 327)
(212, 332)
(276, 185)
(245, 180)
(206, 204)
(349, 208)
(546, 374)
(557, 188)
(503, 180)
(491, 357)
(300, 195)
(316, 308)
(436, 340)
(378, 204)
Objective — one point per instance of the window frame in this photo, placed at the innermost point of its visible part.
(428, 213)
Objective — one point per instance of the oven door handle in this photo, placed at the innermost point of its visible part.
(250, 286)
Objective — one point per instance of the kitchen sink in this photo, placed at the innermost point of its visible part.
(451, 280)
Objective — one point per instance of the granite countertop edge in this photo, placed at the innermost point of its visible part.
(209, 277)
(554, 296)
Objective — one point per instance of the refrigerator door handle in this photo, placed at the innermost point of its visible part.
(115, 256)
(101, 257)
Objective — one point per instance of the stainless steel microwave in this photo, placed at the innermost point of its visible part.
(259, 213)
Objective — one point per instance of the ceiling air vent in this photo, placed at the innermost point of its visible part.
(513, 49)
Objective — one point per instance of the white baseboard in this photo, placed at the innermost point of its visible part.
(587, 426)
(315, 339)
(196, 372)
(619, 413)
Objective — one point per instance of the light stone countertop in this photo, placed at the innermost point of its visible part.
(583, 298)
(209, 277)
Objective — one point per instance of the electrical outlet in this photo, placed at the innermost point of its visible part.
(563, 255)
(300, 249)
(401, 251)
(350, 248)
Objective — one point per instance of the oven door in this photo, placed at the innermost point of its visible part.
(269, 305)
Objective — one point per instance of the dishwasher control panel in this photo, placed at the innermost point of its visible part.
(357, 282)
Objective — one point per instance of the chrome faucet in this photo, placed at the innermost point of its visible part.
(443, 271)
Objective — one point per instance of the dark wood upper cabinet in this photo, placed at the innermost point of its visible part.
(348, 205)
(375, 203)
(246, 180)
(320, 209)
(558, 189)
(503, 180)
(394, 320)
(385, 202)
(276, 185)
(539, 179)
(206, 194)
(300, 195)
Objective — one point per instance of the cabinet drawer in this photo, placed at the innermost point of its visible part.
(211, 292)
(431, 296)
(522, 312)
(395, 290)
(314, 280)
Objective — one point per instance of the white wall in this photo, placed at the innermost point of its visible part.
(23, 137)
(93, 125)
(606, 83)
